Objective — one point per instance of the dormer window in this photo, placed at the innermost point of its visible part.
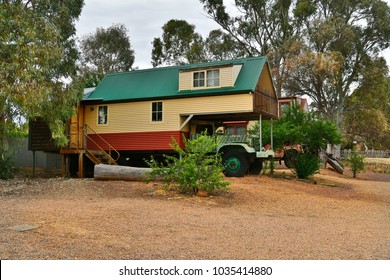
(207, 78)
(199, 79)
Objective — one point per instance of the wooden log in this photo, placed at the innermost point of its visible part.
(118, 172)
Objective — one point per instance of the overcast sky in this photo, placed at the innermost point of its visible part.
(144, 20)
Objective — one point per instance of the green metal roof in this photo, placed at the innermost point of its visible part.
(163, 83)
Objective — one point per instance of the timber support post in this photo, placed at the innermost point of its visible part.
(81, 165)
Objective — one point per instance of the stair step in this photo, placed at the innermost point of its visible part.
(100, 157)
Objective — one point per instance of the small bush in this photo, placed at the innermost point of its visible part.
(306, 165)
(7, 167)
(197, 167)
(269, 164)
(356, 162)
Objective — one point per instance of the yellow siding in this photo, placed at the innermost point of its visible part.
(136, 116)
(226, 76)
(185, 80)
(265, 83)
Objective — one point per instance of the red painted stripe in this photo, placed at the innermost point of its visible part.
(137, 141)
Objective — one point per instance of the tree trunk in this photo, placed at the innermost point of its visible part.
(340, 113)
(2, 135)
(118, 172)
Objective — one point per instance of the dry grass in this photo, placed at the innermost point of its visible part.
(380, 165)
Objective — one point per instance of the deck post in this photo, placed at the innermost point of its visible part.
(63, 165)
(34, 163)
(272, 134)
(81, 165)
(260, 133)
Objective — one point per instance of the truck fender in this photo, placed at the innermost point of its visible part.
(238, 147)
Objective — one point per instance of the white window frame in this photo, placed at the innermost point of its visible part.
(200, 80)
(206, 79)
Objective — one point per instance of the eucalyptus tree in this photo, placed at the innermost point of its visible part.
(367, 110)
(37, 56)
(260, 27)
(220, 45)
(106, 50)
(179, 44)
(316, 47)
(339, 39)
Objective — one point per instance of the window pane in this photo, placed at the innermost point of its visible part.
(102, 115)
(157, 112)
(213, 78)
(198, 79)
(241, 130)
(230, 131)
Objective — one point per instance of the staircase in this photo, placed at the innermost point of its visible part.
(103, 152)
(100, 157)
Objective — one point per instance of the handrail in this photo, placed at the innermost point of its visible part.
(225, 139)
(110, 147)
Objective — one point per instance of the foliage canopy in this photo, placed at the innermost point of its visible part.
(299, 127)
(106, 50)
(180, 44)
(38, 54)
(318, 48)
(367, 111)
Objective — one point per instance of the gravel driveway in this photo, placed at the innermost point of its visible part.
(333, 217)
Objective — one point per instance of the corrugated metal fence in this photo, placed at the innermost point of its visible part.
(23, 157)
(368, 153)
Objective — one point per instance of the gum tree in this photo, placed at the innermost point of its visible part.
(330, 40)
(106, 50)
(37, 71)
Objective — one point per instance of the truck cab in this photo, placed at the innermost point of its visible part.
(241, 154)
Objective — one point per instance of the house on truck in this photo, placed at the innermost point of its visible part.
(132, 115)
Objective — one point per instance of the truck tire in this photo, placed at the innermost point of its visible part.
(290, 157)
(236, 164)
(256, 167)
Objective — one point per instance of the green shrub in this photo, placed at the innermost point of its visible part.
(7, 167)
(356, 162)
(269, 164)
(299, 127)
(197, 167)
(306, 165)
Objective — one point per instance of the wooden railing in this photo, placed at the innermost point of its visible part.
(266, 103)
(74, 133)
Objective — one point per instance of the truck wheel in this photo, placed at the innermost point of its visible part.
(256, 167)
(290, 157)
(236, 164)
